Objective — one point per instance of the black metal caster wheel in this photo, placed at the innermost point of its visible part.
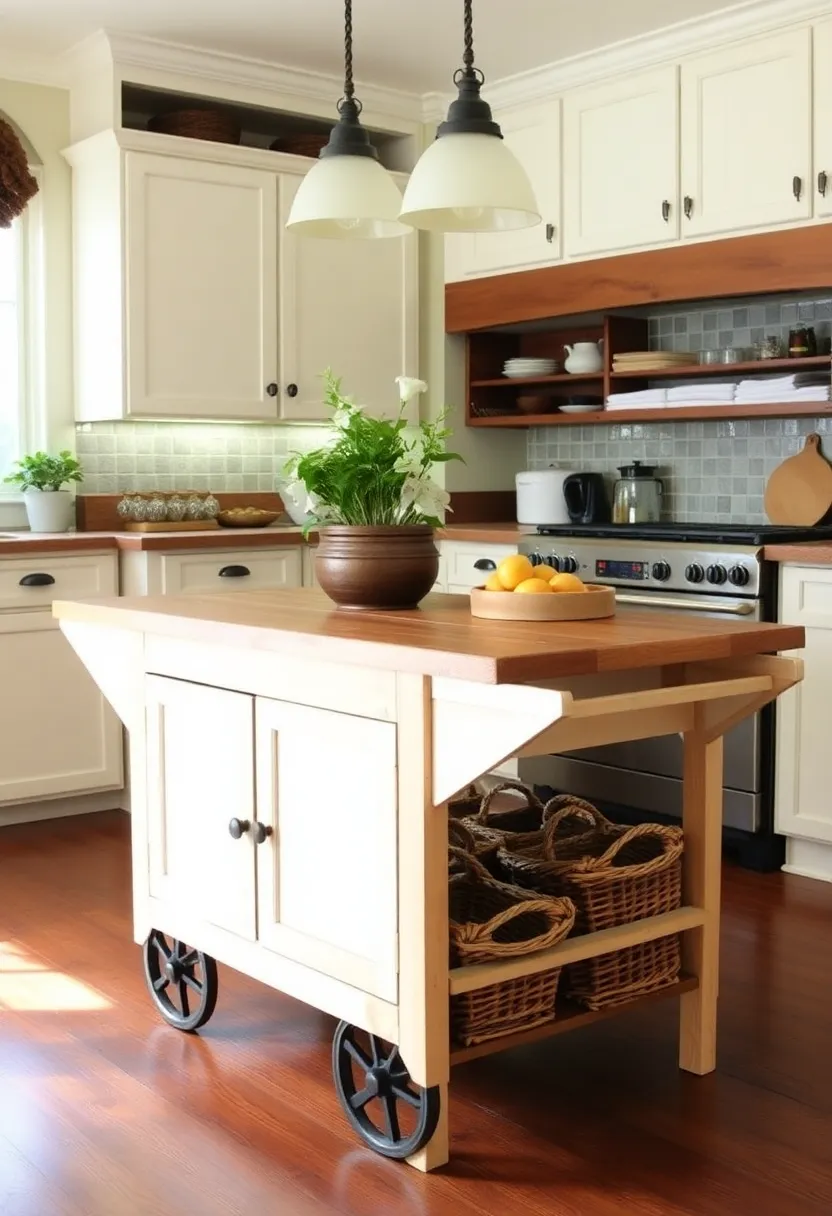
(390, 1114)
(182, 982)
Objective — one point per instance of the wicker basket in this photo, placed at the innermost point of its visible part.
(307, 144)
(467, 802)
(213, 125)
(462, 838)
(522, 823)
(490, 921)
(614, 875)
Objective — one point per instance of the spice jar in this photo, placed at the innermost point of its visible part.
(798, 343)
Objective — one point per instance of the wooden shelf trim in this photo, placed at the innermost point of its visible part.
(558, 378)
(689, 413)
(575, 949)
(569, 1017)
(725, 369)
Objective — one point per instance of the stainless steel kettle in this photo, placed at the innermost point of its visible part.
(637, 497)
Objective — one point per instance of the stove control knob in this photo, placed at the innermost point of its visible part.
(535, 558)
(661, 572)
(739, 576)
(554, 561)
(694, 573)
(717, 575)
(569, 565)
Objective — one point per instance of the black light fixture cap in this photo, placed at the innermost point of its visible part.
(348, 137)
(469, 114)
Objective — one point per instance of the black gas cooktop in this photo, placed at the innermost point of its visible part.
(722, 534)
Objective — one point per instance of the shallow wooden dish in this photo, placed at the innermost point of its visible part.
(251, 519)
(586, 605)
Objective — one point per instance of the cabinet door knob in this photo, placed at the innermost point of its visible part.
(234, 571)
(797, 187)
(262, 833)
(36, 580)
(271, 389)
(823, 182)
(291, 390)
(238, 827)
(688, 206)
(666, 211)
(550, 233)
(485, 563)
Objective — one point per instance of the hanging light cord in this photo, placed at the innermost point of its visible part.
(349, 99)
(468, 72)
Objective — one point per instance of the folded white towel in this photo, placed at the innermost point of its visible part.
(636, 405)
(702, 392)
(654, 396)
(810, 393)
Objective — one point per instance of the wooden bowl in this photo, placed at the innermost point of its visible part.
(247, 517)
(535, 403)
(587, 605)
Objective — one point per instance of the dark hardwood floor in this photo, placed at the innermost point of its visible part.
(105, 1111)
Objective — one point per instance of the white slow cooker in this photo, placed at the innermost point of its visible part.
(540, 498)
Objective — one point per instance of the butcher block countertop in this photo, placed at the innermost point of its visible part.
(813, 553)
(440, 638)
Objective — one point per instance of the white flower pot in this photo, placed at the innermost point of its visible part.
(49, 510)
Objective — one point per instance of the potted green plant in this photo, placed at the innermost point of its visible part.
(41, 477)
(370, 496)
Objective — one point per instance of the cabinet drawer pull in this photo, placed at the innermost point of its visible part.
(688, 206)
(238, 827)
(291, 390)
(550, 233)
(797, 187)
(823, 182)
(234, 571)
(272, 389)
(485, 563)
(262, 832)
(37, 580)
(666, 211)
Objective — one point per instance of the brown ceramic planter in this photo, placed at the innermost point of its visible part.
(384, 567)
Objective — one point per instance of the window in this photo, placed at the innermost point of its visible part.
(11, 346)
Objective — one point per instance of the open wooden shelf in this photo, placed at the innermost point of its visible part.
(558, 378)
(725, 369)
(688, 413)
(569, 1017)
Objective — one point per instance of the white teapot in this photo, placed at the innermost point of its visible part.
(584, 357)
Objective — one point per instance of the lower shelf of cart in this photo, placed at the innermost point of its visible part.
(569, 1017)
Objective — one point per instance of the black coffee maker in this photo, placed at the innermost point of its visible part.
(586, 498)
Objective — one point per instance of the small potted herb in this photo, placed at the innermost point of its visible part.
(41, 477)
(370, 495)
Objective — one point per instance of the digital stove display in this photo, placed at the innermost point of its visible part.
(636, 571)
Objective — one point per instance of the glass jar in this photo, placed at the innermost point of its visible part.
(140, 508)
(193, 508)
(770, 348)
(124, 508)
(157, 509)
(176, 507)
(210, 507)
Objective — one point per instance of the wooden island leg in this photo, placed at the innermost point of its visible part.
(702, 823)
(424, 1033)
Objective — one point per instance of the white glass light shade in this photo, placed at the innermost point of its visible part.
(469, 183)
(347, 197)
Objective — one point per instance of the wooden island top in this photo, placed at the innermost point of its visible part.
(440, 638)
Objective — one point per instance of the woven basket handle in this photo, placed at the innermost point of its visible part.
(570, 809)
(556, 911)
(460, 837)
(671, 838)
(468, 862)
(532, 800)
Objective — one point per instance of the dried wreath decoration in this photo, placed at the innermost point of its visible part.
(17, 186)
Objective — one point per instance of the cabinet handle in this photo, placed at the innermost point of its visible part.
(550, 233)
(291, 390)
(234, 571)
(666, 211)
(262, 833)
(823, 182)
(36, 580)
(797, 187)
(238, 827)
(688, 206)
(485, 563)
(271, 389)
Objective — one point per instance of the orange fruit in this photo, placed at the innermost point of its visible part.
(547, 573)
(492, 583)
(513, 570)
(566, 582)
(532, 586)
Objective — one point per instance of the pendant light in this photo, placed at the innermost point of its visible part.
(468, 180)
(348, 194)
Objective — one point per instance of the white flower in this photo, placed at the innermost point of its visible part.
(410, 388)
(425, 495)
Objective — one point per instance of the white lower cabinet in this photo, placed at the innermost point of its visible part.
(803, 807)
(210, 570)
(60, 738)
(244, 838)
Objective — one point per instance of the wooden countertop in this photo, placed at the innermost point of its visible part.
(440, 639)
(811, 553)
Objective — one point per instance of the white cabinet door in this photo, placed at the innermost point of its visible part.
(327, 875)
(822, 76)
(620, 163)
(534, 137)
(200, 776)
(225, 570)
(352, 306)
(803, 804)
(201, 275)
(59, 736)
(746, 135)
(469, 565)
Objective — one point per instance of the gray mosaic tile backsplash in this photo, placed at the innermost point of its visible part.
(716, 470)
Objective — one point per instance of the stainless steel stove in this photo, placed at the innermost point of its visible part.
(708, 569)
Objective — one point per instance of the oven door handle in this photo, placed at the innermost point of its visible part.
(660, 601)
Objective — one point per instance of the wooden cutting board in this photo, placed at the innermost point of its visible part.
(799, 490)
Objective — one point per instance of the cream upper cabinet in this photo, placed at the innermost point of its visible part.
(534, 137)
(352, 306)
(746, 135)
(620, 156)
(822, 76)
(200, 271)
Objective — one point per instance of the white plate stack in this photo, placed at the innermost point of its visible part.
(527, 369)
